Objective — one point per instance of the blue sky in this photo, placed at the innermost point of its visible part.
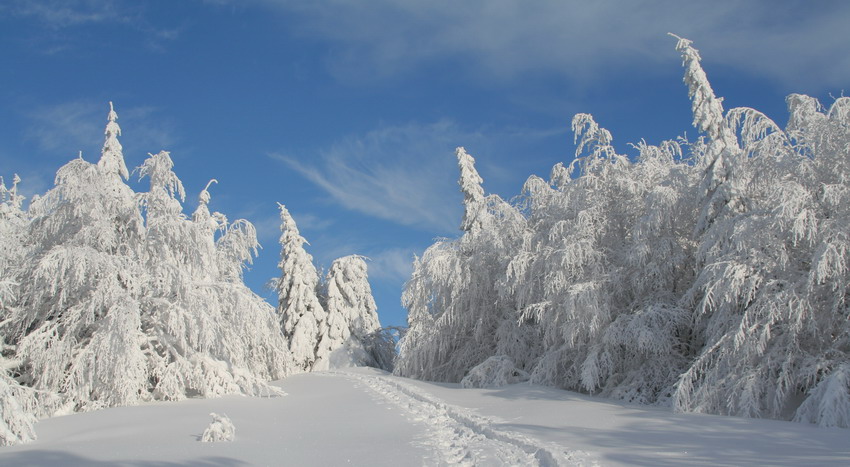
(348, 112)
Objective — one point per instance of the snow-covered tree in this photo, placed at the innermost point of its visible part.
(352, 319)
(17, 408)
(13, 225)
(457, 314)
(79, 292)
(124, 299)
(770, 311)
(205, 332)
(301, 315)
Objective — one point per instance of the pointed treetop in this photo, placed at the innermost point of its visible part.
(287, 223)
(112, 155)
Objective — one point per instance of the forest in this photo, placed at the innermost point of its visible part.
(709, 275)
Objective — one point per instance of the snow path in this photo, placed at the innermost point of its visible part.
(460, 437)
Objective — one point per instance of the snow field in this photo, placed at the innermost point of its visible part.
(363, 416)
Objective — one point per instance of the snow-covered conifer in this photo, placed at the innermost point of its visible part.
(302, 318)
(470, 184)
(82, 268)
(112, 156)
(352, 317)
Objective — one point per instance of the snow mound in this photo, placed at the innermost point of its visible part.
(496, 371)
(221, 429)
(350, 354)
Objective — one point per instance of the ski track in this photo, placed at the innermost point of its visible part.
(460, 437)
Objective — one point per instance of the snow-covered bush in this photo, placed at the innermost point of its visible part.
(220, 429)
(711, 275)
(495, 372)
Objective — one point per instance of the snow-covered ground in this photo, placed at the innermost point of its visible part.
(365, 417)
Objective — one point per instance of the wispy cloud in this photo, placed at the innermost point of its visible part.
(61, 16)
(68, 126)
(78, 125)
(404, 174)
(267, 224)
(506, 39)
(392, 265)
(65, 13)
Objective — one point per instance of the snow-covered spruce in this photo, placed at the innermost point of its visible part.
(302, 317)
(711, 275)
(352, 317)
(220, 429)
(123, 299)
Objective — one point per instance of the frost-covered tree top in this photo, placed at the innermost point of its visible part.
(112, 154)
(470, 184)
(349, 293)
(166, 190)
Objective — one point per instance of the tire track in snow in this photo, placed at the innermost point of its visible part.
(460, 437)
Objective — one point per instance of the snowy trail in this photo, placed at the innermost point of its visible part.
(460, 437)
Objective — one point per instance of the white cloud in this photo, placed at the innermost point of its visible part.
(505, 39)
(404, 174)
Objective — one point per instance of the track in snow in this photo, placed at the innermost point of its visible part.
(459, 437)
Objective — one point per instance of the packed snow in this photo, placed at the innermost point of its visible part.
(363, 416)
